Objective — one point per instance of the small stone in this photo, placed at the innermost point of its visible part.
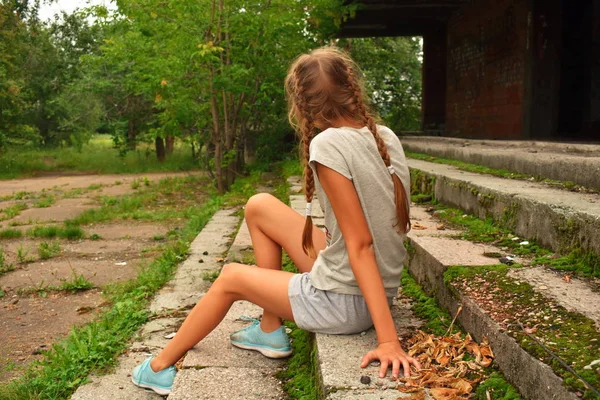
(365, 380)
(205, 253)
(524, 243)
(542, 287)
(121, 387)
(595, 362)
(14, 301)
(200, 261)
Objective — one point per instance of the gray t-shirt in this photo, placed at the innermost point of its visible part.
(353, 153)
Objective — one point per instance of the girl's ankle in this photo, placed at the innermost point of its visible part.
(156, 366)
(269, 326)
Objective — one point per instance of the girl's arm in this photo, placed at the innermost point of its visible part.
(359, 243)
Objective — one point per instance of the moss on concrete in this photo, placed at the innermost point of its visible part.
(437, 322)
(502, 173)
(569, 335)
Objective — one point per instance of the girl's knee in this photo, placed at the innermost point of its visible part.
(257, 203)
(229, 278)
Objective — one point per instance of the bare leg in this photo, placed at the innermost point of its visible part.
(273, 226)
(266, 288)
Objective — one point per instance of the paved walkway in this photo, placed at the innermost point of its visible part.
(214, 369)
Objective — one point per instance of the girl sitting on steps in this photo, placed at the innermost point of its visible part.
(350, 274)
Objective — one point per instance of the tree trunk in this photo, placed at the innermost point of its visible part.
(160, 149)
(170, 144)
(131, 135)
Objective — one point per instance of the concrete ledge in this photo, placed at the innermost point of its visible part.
(534, 379)
(578, 163)
(555, 218)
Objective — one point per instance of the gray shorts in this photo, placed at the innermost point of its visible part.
(322, 311)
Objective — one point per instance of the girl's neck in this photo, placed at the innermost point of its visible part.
(351, 123)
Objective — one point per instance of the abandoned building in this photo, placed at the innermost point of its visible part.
(501, 69)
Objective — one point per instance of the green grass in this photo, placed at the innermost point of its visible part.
(437, 321)
(94, 347)
(12, 211)
(98, 156)
(76, 283)
(169, 198)
(10, 233)
(45, 200)
(5, 266)
(48, 250)
(53, 231)
(23, 255)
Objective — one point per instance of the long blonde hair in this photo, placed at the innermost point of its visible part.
(326, 85)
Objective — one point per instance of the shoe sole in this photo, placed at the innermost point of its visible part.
(270, 353)
(162, 392)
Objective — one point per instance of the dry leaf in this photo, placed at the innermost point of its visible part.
(530, 330)
(567, 278)
(462, 386)
(418, 226)
(441, 227)
(220, 259)
(416, 396)
(444, 394)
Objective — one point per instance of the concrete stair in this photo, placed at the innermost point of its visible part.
(558, 219)
(578, 163)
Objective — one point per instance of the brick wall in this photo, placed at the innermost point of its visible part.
(487, 53)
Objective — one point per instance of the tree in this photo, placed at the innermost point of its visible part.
(209, 70)
(392, 68)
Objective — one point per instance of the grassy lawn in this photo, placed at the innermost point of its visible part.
(97, 156)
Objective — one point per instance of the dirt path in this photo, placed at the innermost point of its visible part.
(33, 314)
(10, 187)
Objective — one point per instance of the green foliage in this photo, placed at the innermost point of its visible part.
(12, 211)
(392, 68)
(44, 201)
(5, 266)
(23, 255)
(53, 231)
(300, 375)
(10, 233)
(497, 387)
(48, 250)
(437, 320)
(76, 283)
(97, 156)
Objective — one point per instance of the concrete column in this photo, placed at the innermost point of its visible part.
(433, 108)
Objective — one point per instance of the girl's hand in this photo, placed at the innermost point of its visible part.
(390, 353)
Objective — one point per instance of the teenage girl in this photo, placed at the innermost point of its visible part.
(350, 274)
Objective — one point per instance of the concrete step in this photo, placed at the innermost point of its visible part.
(171, 303)
(216, 370)
(557, 219)
(434, 251)
(578, 163)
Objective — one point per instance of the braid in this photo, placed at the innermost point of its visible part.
(307, 131)
(401, 199)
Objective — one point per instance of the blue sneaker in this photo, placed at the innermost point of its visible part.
(161, 382)
(274, 344)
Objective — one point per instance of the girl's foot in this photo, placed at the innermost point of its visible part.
(161, 382)
(274, 344)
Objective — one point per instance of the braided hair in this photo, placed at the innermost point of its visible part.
(324, 86)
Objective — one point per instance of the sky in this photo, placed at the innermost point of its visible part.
(47, 11)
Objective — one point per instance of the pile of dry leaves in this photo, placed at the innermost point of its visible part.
(445, 372)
